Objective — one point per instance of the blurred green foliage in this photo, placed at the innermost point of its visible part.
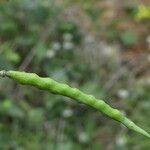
(34, 37)
(33, 119)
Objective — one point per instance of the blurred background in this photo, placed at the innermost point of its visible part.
(99, 46)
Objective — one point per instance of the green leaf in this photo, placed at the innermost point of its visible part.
(12, 56)
(128, 38)
(35, 116)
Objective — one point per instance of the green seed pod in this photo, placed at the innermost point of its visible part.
(74, 93)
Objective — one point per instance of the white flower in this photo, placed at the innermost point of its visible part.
(50, 53)
(67, 113)
(89, 39)
(68, 45)
(56, 46)
(83, 137)
(67, 37)
(121, 141)
(148, 40)
(123, 93)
